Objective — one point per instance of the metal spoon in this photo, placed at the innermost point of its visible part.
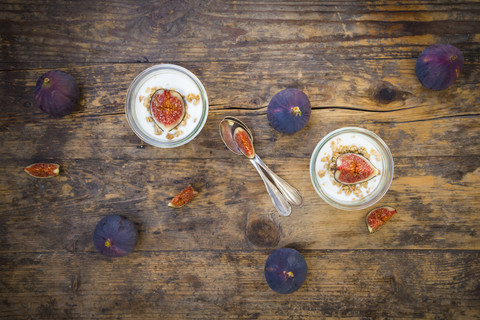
(227, 127)
(291, 194)
(279, 201)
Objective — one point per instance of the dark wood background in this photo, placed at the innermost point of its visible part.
(354, 59)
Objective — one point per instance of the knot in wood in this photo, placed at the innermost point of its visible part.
(263, 233)
(385, 93)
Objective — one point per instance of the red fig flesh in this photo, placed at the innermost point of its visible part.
(243, 142)
(183, 197)
(43, 170)
(353, 168)
(167, 108)
(378, 217)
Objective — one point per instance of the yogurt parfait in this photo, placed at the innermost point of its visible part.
(364, 154)
(166, 78)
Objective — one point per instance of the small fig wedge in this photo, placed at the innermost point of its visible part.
(243, 142)
(167, 108)
(353, 168)
(378, 217)
(43, 170)
(184, 197)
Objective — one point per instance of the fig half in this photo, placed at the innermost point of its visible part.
(378, 217)
(244, 143)
(353, 168)
(167, 108)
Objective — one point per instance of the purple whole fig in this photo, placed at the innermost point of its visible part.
(289, 111)
(115, 236)
(438, 66)
(285, 270)
(56, 93)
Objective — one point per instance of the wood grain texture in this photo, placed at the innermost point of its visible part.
(184, 31)
(355, 61)
(230, 285)
(434, 211)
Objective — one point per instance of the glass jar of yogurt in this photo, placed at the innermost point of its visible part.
(351, 140)
(171, 77)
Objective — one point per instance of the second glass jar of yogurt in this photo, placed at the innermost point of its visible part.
(351, 196)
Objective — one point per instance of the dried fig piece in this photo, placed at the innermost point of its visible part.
(43, 170)
(378, 217)
(353, 168)
(167, 108)
(184, 197)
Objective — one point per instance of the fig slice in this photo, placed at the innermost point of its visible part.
(243, 142)
(378, 217)
(43, 170)
(353, 168)
(183, 197)
(167, 108)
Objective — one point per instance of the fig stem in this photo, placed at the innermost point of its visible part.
(453, 58)
(296, 111)
(46, 82)
(288, 274)
(108, 243)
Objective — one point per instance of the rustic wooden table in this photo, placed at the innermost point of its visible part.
(355, 60)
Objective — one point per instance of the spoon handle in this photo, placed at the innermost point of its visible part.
(279, 201)
(291, 194)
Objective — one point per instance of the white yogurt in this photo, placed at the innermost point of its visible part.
(172, 80)
(327, 182)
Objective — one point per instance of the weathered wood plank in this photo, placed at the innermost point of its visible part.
(110, 137)
(389, 85)
(354, 59)
(54, 34)
(435, 197)
(230, 285)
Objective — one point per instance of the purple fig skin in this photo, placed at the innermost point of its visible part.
(285, 270)
(115, 236)
(439, 66)
(56, 93)
(289, 111)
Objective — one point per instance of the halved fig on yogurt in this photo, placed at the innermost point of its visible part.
(353, 168)
(167, 108)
